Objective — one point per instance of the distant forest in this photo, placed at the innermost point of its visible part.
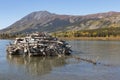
(11, 36)
(101, 32)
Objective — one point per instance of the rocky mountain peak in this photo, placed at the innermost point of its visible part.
(40, 14)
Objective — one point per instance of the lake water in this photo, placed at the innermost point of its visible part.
(67, 68)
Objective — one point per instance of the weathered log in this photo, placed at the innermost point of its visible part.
(87, 60)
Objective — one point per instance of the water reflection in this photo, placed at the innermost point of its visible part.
(36, 65)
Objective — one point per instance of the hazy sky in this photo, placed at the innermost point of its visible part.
(13, 10)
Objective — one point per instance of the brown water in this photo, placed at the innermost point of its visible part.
(65, 68)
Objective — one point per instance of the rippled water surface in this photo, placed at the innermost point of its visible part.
(107, 54)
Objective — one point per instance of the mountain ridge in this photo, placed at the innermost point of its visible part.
(51, 22)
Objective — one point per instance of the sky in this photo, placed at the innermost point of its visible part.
(13, 10)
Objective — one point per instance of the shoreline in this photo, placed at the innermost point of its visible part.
(83, 38)
(91, 38)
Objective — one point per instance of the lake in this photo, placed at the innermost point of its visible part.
(107, 54)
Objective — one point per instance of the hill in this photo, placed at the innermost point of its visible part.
(51, 22)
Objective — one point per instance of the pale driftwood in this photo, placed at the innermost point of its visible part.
(39, 44)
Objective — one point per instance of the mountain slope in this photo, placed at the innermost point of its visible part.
(49, 22)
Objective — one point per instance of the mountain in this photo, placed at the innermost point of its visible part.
(50, 22)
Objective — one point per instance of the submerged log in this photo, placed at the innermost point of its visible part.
(93, 61)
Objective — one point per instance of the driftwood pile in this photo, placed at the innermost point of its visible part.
(39, 44)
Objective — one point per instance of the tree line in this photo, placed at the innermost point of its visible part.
(102, 32)
(11, 35)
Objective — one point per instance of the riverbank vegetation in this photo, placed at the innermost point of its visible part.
(11, 36)
(112, 33)
(93, 34)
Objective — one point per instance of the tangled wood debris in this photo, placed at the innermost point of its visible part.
(39, 44)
